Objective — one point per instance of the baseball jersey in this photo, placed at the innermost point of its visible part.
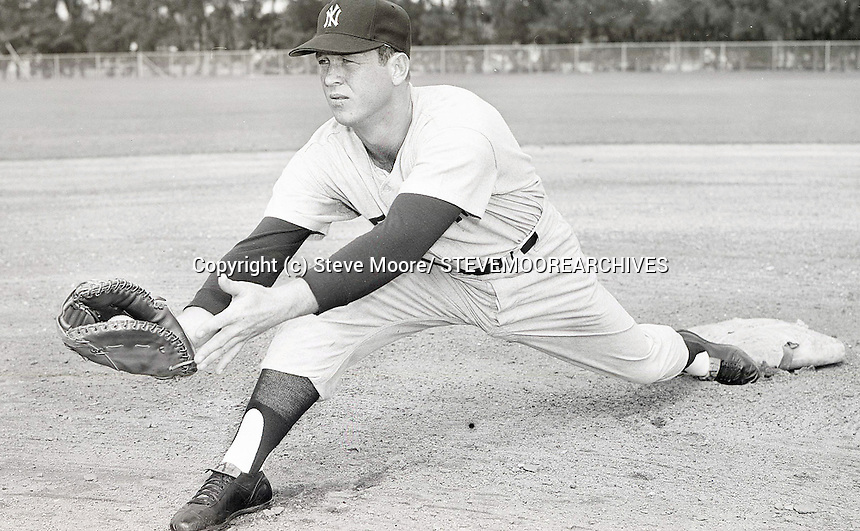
(458, 149)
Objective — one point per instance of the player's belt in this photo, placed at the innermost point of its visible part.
(529, 243)
(496, 264)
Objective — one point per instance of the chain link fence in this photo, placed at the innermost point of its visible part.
(825, 56)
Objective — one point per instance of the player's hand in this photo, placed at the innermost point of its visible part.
(253, 310)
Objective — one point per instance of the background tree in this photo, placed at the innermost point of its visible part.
(297, 24)
(102, 25)
(35, 26)
(145, 23)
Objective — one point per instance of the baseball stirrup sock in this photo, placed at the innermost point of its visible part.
(278, 401)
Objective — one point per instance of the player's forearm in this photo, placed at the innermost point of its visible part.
(273, 241)
(413, 225)
(299, 300)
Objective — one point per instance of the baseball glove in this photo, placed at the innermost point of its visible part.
(119, 324)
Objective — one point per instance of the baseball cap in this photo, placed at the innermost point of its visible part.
(354, 26)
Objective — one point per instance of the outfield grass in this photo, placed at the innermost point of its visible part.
(115, 117)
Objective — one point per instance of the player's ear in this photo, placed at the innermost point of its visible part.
(398, 67)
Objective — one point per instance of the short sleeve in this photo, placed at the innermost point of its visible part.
(304, 196)
(458, 166)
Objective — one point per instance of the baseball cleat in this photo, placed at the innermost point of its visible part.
(730, 365)
(222, 498)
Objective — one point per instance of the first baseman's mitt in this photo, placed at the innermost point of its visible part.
(145, 339)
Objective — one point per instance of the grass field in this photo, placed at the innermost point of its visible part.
(749, 184)
(83, 118)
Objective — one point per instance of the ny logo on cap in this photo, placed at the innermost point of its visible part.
(331, 16)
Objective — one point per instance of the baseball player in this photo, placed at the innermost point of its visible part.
(456, 206)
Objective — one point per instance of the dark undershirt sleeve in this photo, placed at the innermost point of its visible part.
(413, 225)
(274, 241)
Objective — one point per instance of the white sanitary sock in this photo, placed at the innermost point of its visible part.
(700, 366)
(247, 441)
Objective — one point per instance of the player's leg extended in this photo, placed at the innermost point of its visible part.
(306, 359)
(570, 315)
(647, 353)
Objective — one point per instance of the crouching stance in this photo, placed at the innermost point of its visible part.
(451, 194)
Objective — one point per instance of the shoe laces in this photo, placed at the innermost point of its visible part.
(211, 491)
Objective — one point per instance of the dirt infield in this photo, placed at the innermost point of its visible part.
(449, 429)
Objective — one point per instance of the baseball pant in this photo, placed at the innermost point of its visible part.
(569, 315)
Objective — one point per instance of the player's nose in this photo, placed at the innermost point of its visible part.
(332, 76)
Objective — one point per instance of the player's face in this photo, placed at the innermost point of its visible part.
(357, 88)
